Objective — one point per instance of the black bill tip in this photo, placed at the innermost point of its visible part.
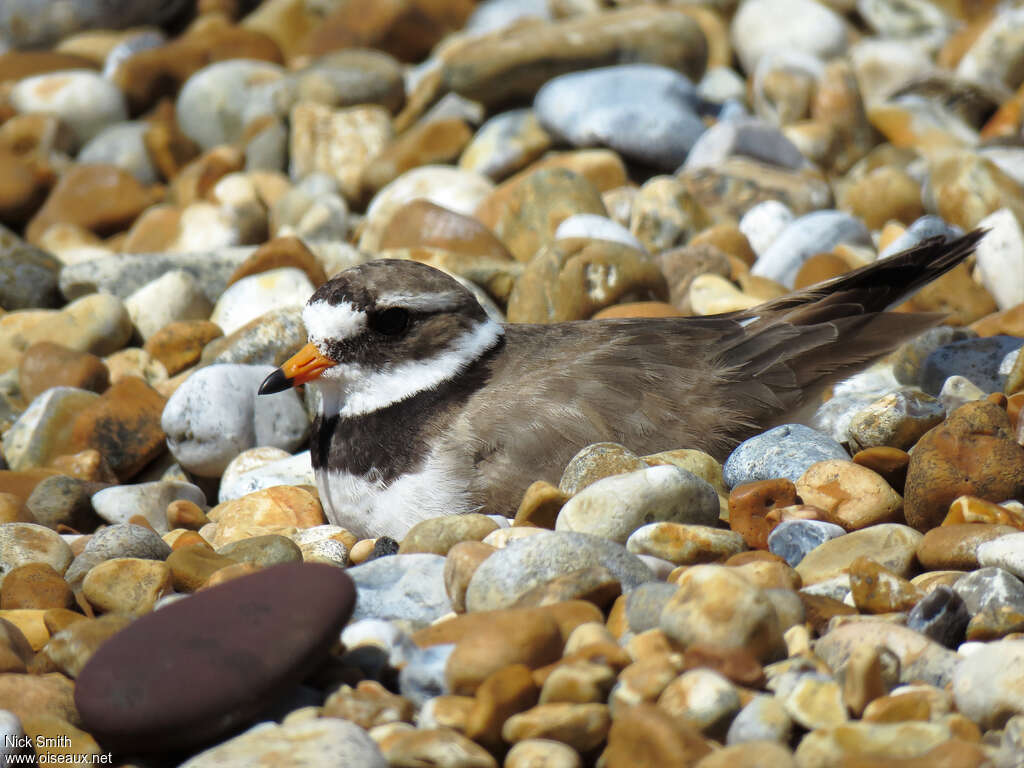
(275, 382)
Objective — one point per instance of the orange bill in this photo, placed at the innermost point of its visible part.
(302, 367)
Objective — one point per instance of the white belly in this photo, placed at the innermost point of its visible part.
(369, 508)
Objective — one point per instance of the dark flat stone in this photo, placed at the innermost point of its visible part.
(202, 666)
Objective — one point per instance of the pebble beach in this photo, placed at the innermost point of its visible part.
(176, 180)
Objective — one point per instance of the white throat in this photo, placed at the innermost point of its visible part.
(354, 390)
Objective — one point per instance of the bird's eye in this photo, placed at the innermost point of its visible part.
(390, 322)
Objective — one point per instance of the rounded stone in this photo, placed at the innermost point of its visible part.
(438, 535)
(84, 100)
(214, 415)
(120, 503)
(595, 462)
(850, 495)
(322, 741)
(46, 364)
(24, 543)
(281, 621)
(527, 563)
(988, 686)
(217, 102)
(401, 587)
(615, 507)
(35, 585)
(646, 113)
(717, 606)
(785, 451)
(126, 585)
(891, 545)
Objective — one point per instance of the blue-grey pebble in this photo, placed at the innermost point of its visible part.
(976, 359)
(122, 274)
(990, 588)
(907, 361)
(122, 145)
(793, 539)
(423, 677)
(940, 615)
(407, 587)
(645, 112)
(747, 136)
(527, 563)
(28, 276)
(817, 232)
(644, 605)
(38, 23)
(923, 228)
(785, 451)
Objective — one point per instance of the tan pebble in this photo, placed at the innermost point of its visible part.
(751, 502)
(183, 513)
(685, 544)
(229, 572)
(852, 495)
(735, 664)
(127, 585)
(651, 643)
(437, 746)
(367, 705)
(816, 703)
(863, 678)
(750, 755)
(361, 550)
(15, 650)
(582, 726)
(58, 741)
(703, 697)
(929, 580)
(891, 545)
(587, 634)
(279, 509)
(85, 465)
(717, 606)
(182, 539)
(504, 693)
(645, 736)
(439, 534)
(540, 505)
(798, 641)
(645, 679)
(878, 590)
(58, 619)
(898, 708)
(542, 753)
(890, 463)
(502, 537)
(995, 622)
(617, 623)
(460, 564)
(974, 451)
(769, 575)
(450, 711)
(971, 509)
(955, 546)
(578, 682)
(71, 648)
(35, 585)
(490, 640)
(192, 567)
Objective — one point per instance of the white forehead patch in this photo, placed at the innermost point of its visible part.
(325, 321)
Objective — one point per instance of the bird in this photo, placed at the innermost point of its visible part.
(426, 406)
